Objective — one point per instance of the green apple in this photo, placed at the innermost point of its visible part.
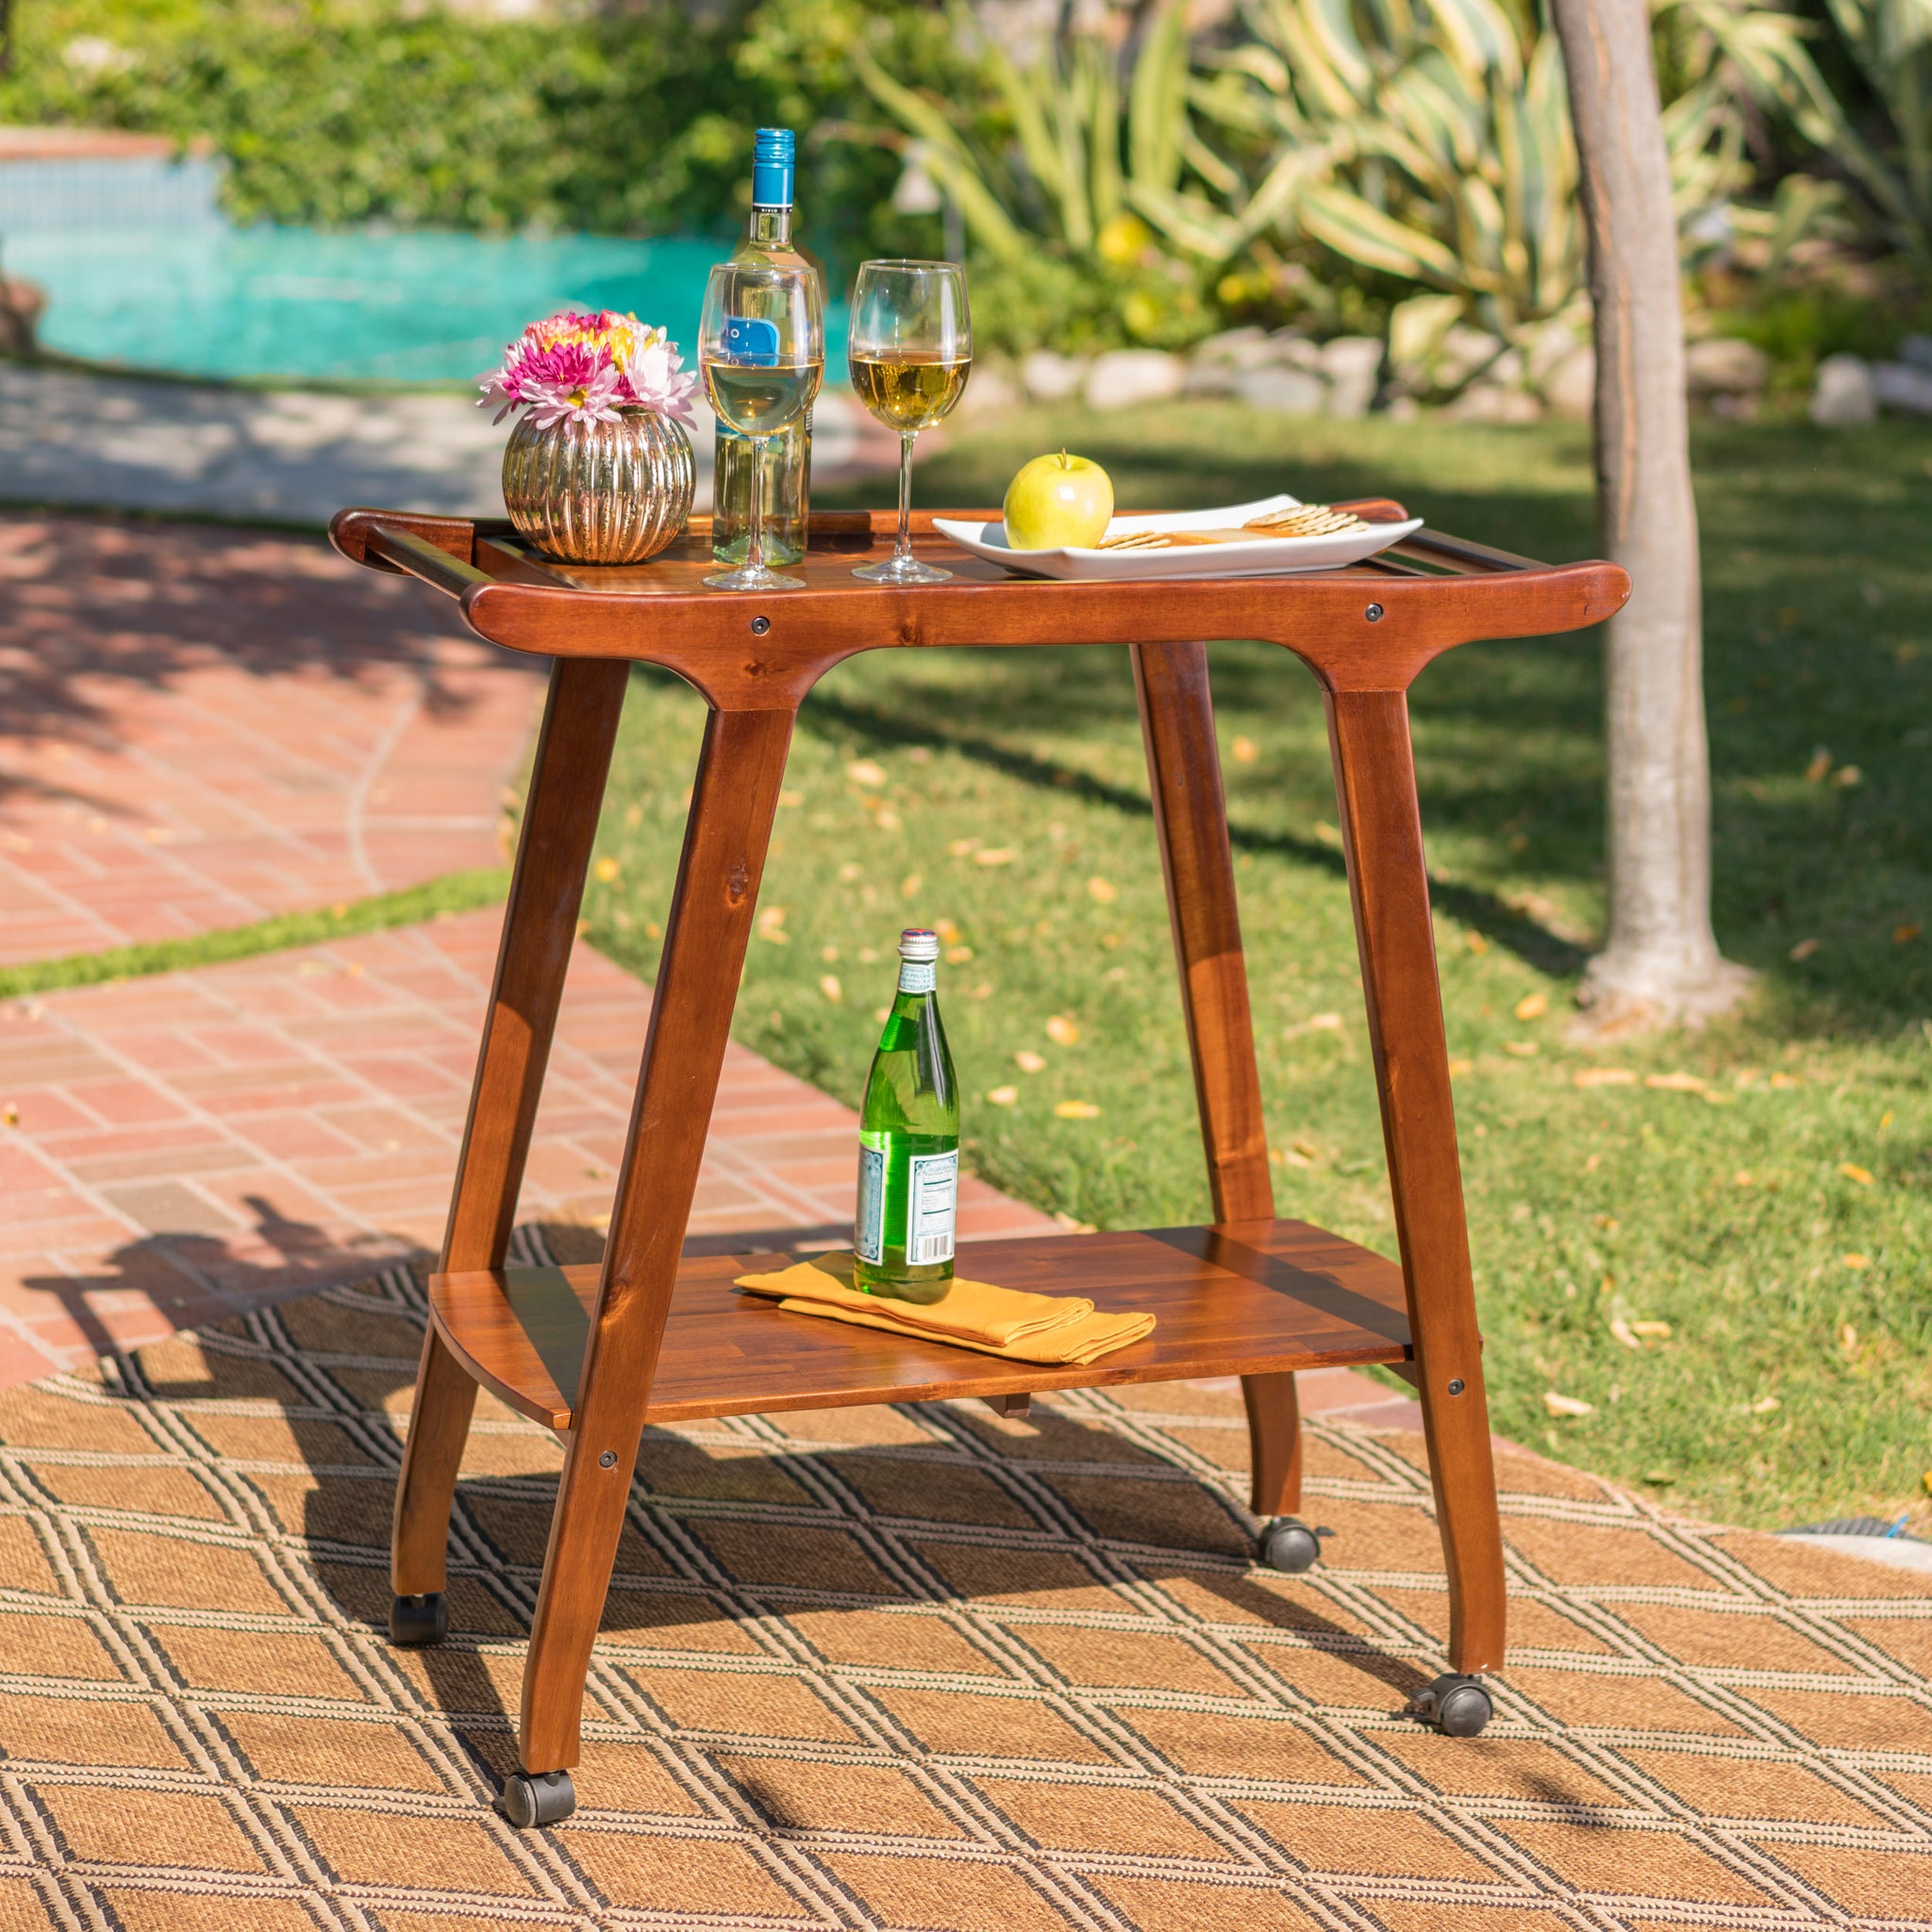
(1059, 503)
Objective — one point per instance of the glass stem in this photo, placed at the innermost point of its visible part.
(754, 550)
(902, 552)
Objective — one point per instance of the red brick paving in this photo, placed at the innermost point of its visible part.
(303, 1117)
(200, 728)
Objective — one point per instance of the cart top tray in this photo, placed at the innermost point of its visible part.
(1243, 1298)
(1368, 627)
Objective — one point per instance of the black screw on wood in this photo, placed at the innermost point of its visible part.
(759, 625)
(609, 1458)
(1456, 1387)
(1373, 613)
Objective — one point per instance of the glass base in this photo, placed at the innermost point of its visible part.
(903, 570)
(750, 579)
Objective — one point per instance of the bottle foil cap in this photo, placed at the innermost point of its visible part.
(918, 946)
(773, 160)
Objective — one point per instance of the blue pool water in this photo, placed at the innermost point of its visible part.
(205, 299)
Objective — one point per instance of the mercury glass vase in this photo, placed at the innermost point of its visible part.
(599, 493)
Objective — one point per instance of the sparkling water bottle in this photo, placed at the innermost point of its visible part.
(909, 1142)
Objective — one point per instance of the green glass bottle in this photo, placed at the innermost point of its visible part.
(909, 1142)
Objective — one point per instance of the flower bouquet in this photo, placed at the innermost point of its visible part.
(598, 469)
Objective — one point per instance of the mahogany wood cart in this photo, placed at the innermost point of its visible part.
(597, 1353)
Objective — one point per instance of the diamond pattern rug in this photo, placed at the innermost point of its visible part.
(920, 1667)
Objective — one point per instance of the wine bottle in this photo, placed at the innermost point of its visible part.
(909, 1142)
(788, 455)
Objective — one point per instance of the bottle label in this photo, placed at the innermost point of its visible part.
(869, 1233)
(918, 975)
(750, 341)
(932, 1204)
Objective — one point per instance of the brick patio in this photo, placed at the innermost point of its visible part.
(204, 727)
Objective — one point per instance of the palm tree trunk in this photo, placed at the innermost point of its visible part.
(1660, 962)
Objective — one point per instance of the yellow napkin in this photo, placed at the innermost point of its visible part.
(1005, 1321)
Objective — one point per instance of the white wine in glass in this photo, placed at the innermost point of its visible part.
(761, 347)
(910, 350)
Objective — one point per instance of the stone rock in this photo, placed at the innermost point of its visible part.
(1546, 347)
(1353, 365)
(1126, 378)
(1211, 379)
(1289, 350)
(1845, 393)
(1724, 366)
(1494, 402)
(1285, 391)
(1463, 353)
(990, 390)
(1236, 347)
(1902, 386)
(1916, 350)
(1569, 388)
(1050, 377)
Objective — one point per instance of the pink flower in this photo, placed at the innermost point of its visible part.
(589, 368)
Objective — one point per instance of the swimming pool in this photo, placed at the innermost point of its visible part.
(208, 299)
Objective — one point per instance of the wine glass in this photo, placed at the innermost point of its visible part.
(761, 345)
(910, 347)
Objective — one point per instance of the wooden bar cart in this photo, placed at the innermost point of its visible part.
(649, 1336)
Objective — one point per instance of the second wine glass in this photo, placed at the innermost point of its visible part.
(910, 350)
(761, 347)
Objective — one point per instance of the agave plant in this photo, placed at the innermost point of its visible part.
(1890, 41)
(1430, 139)
(1079, 158)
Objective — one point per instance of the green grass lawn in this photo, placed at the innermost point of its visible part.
(1775, 1216)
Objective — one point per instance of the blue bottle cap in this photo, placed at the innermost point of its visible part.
(772, 157)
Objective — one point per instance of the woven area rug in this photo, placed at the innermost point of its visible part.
(906, 1668)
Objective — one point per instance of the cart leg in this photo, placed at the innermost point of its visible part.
(733, 803)
(1190, 815)
(1374, 782)
(538, 930)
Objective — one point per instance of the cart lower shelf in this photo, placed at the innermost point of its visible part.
(1240, 1298)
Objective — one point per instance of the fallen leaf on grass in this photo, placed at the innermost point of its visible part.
(886, 820)
(1003, 1096)
(863, 771)
(1783, 1082)
(1532, 1006)
(1290, 1156)
(1319, 1022)
(1848, 1337)
(1819, 768)
(1804, 948)
(1245, 750)
(996, 855)
(1062, 1031)
(1457, 1068)
(1605, 1076)
(1522, 1049)
(788, 801)
(910, 885)
(829, 986)
(1663, 1479)
(1654, 1331)
(1903, 935)
(959, 956)
(1076, 1110)
(1676, 1083)
(1476, 943)
(848, 874)
(1846, 777)
(1567, 1405)
(1622, 1331)
(1072, 1224)
(1103, 892)
(1857, 1263)
(607, 869)
(1028, 1061)
(1853, 1172)
(959, 848)
(1766, 1405)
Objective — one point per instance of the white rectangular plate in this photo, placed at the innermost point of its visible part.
(1266, 557)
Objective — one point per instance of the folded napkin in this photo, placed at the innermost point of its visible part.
(1005, 1321)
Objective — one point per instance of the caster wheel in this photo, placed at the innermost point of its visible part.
(546, 1798)
(415, 1620)
(1455, 1706)
(1290, 1544)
